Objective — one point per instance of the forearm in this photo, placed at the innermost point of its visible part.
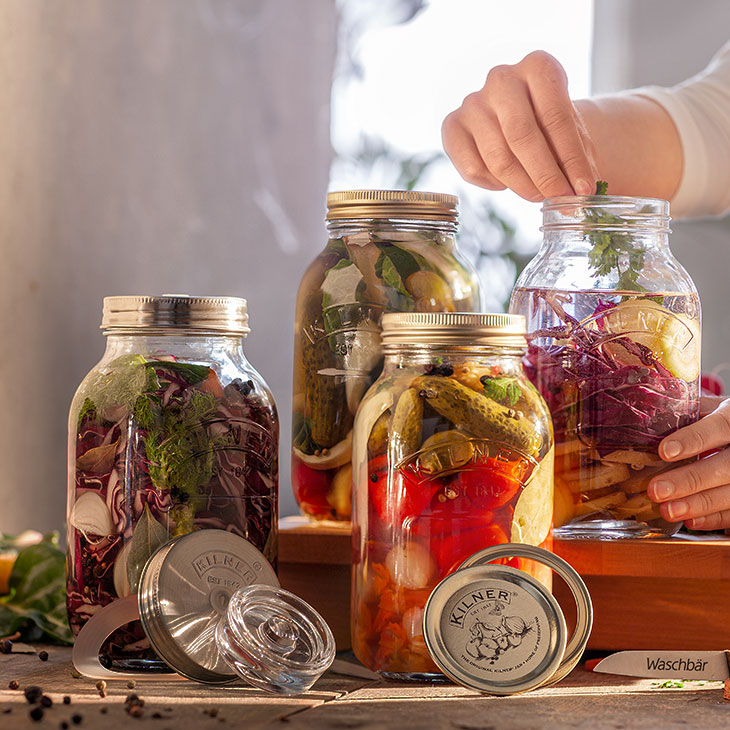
(636, 145)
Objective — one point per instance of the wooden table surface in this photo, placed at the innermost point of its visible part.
(582, 700)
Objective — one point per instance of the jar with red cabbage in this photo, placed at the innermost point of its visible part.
(173, 431)
(613, 324)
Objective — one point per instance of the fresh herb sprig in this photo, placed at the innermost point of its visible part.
(609, 246)
(504, 390)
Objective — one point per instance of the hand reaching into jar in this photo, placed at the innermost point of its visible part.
(522, 131)
(698, 493)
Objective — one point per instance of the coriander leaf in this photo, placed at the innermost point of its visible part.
(504, 390)
(601, 187)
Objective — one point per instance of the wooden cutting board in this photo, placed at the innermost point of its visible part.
(647, 594)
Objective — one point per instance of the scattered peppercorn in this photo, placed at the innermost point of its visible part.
(33, 693)
(64, 725)
(36, 714)
(76, 719)
(13, 684)
(75, 674)
(66, 700)
(135, 710)
(157, 716)
(46, 701)
(6, 646)
(131, 684)
(101, 684)
(104, 710)
(211, 711)
(43, 656)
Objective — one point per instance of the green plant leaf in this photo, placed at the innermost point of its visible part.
(36, 604)
(192, 373)
(503, 390)
(149, 535)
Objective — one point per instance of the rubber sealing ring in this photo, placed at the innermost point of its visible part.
(96, 631)
(584, 617)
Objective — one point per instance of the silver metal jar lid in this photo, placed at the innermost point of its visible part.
(498, 630)
(179, 312)
(184, 592)
(465, 329)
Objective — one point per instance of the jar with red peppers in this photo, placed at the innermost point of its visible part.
(387, 251)
(452, 453)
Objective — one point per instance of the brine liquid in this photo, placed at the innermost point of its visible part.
(619, 372)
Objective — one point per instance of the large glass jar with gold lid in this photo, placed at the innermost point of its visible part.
(173, 431)
(387, 251)
(453, 453)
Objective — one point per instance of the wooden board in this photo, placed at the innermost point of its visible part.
(583, 700)
(652, 594)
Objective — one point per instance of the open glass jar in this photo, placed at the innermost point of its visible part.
(453, 453)
(173, 431)
(388, 251)
(613, 323)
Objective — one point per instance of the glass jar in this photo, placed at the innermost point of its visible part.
(173, 431)
(452, 454)
(613, 325)
(388, 251)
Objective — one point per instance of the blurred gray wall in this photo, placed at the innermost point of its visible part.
(640, 42)
(148, 147)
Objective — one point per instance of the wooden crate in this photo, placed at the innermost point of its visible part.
(647, 594)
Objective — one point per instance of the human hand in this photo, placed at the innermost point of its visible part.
(521, 131)
(698, 493)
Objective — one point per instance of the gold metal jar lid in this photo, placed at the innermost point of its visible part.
(180, 312)
(461, 329)
(404, 204)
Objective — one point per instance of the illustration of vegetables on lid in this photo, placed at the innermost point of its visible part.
(388, 251)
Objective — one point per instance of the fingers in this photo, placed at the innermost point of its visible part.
(710, 432)
(459, 145)
(522, 131)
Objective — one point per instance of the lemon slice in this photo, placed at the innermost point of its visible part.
(680, 352)
(673, 338)
(534, 509)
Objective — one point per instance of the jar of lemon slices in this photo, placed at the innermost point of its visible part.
(452, 453)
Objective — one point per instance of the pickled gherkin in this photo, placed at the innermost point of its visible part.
(407, 419)
(479, 415)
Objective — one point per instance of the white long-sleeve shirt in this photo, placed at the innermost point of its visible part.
(700, 108)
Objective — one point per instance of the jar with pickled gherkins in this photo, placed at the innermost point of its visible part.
(613, 326)
(387, 251)
(453, 453)
(172, 432)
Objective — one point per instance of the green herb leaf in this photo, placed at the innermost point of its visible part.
(609, 246)
(401, 298)
(149, 535)
(88, 410)
(502, 389)
(192, 373)
(36, 604)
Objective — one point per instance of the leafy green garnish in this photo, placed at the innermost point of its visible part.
(192, 373)
(401, 299)
(36, 604)
(303, 434)
(610, 245)
(504, 390)
(148, 535)
(668, 684)
(179, 450)
(88, 410)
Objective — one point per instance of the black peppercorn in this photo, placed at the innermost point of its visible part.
(33, 693)
(76, 719)
(36, 714)
(6, 646)
(46, 701)
(43, 656)
(13, 684)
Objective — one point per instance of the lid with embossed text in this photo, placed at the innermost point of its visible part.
(211, 605)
